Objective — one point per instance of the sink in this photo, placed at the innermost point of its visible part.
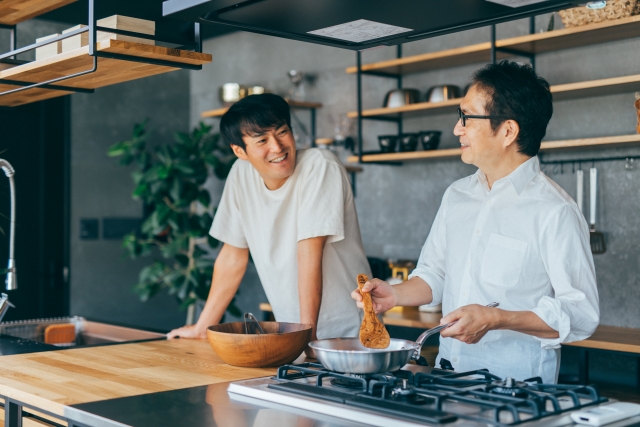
(88, 333)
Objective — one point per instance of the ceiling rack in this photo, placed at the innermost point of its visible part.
(95, 65)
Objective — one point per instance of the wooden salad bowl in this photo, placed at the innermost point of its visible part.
(282, 343)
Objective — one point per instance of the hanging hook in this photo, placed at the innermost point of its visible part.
(628, 164)
(562, 168)
(555, 169)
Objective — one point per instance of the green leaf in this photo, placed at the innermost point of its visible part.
(213, 242)
(182, 259)
(119, 149)
(204, 198)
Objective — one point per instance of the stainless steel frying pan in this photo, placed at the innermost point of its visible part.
(348, 355)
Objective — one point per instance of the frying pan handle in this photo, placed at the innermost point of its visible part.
(426, 334)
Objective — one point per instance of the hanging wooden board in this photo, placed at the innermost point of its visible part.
(109, 72)
(13, 12)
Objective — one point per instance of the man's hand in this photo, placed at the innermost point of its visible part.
(382, 295)
(191, 331)
(473, 322)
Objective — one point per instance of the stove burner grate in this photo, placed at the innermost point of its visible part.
(486, 398)
(400, 409)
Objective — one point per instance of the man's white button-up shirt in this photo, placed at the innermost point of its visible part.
(524, 244)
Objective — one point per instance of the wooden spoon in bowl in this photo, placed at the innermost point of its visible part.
(373, 334)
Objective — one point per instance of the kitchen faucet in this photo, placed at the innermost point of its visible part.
(11, 281)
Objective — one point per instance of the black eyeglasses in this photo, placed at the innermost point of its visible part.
(464, 117)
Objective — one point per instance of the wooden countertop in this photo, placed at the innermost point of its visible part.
(613, 338)
(51, 380)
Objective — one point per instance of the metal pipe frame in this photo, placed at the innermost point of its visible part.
(397, 120)
(13, 412)
(92, 30)
(515, 52)
(587, 161)
(47, 86)
(359, 92)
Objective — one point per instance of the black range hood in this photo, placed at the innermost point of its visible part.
(358, 24)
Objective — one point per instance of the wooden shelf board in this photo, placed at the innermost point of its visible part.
(109, 72)
(596, 87)
(619, 29)
(421, 108)
(13, 12)
(219, 112)
(453, 152)
(585, 89)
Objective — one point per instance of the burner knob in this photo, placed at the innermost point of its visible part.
(509, 382)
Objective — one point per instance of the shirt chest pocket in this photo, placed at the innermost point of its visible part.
(502, 261)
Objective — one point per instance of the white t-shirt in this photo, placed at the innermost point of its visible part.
(315, 201)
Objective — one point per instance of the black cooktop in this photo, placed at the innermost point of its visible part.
(204, 406)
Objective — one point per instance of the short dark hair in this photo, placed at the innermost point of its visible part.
(253, 114)
(517, 93)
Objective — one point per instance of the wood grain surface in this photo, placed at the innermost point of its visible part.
(373, 334)
(613, 338)
(54, 379)
(605, 141)
(619, 29)
(109, 72)
(15, 11)
(282, 343)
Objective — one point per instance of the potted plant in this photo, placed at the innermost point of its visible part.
(178, 211)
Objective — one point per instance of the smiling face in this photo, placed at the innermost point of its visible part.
(272, 152)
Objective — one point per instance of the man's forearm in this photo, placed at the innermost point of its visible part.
(228, 271)
(526, 322)
(414, 291)
(310, 279)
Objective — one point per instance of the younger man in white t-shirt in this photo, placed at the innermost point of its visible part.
(294, 210)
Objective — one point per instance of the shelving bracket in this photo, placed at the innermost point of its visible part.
(91, 29)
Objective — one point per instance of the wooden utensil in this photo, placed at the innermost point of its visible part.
(280, 343)
(373, 334)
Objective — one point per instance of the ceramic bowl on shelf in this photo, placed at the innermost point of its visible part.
(401, 97)
(430, 139)
(408, 142)
(388, 143)
(442, 93)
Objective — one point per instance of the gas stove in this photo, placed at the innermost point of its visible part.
(416, 396)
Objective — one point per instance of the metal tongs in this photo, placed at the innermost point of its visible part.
(426, 334)
(253, 319)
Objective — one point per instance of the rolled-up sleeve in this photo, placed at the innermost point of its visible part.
(431, 265)
(573, 309)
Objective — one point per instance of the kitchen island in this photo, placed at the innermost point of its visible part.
(152, 379)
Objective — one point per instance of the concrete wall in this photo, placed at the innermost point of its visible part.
(102, 278)
(396, 205)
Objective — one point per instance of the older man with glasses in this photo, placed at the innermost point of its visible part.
(508, 234)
